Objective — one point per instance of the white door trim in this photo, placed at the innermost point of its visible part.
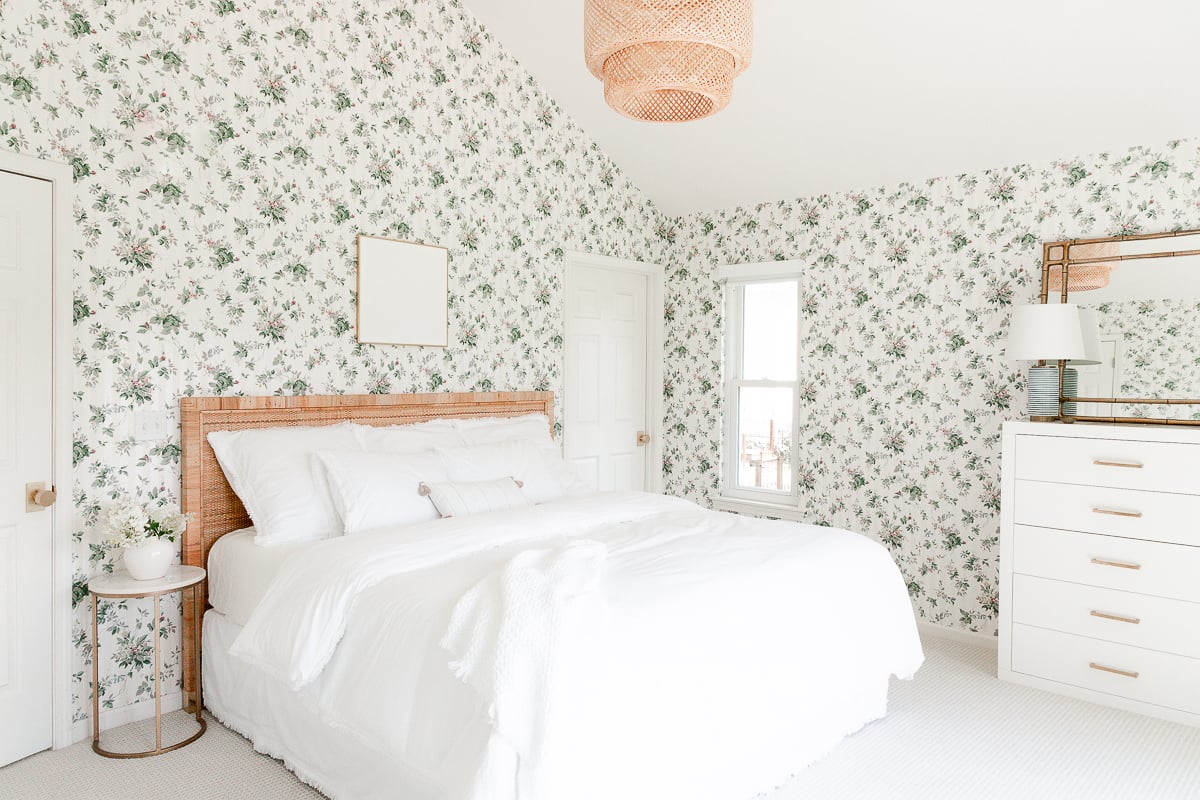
(656, 337)
(59, 174)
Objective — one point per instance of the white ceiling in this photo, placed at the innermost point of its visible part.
(852, 94)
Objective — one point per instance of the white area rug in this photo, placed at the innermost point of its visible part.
(954, 732)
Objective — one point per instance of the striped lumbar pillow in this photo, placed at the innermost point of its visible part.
(475, 497)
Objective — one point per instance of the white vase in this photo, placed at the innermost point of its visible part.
(149, 560)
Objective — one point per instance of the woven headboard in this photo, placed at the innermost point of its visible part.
(217, 510)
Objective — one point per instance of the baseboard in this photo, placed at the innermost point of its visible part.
(116, 717)
(958, 635)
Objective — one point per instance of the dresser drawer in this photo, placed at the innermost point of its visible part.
(1139, 620)
(1162, 679)
(1131, 565)
(1115, 463)
(1156, 516)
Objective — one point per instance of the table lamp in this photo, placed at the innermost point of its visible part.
(1052, 333)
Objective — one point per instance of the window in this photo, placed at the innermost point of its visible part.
(761, 406)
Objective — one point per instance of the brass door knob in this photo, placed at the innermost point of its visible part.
(38, 497)
(643, 439)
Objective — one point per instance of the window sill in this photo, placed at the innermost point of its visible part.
(758, 508)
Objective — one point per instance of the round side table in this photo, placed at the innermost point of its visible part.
(121, 585)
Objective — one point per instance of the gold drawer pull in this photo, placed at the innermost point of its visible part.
(1104, 563)
(1112, 513)
(1115, 618)
(1113, 670)
(1126, 464)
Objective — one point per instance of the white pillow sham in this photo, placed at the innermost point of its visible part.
(534, 428)
(463, 498)
(516, 458)
(489, 430)
(416, 438)
(373, 490)
(280, 480)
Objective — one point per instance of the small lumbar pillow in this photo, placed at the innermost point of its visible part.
(376, 490)
(280, 480)
(474, 497)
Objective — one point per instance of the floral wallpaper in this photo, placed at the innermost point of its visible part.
(1158, 354)
(225, 154)
(907, 296)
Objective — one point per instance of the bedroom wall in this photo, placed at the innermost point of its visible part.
(226, 153)
(904, 384)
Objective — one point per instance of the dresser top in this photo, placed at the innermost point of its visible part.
(1101, 430)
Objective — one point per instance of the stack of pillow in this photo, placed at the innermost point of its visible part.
(303, 484)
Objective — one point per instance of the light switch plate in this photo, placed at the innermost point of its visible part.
(149, 425)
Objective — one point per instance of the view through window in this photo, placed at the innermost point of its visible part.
(762, 395)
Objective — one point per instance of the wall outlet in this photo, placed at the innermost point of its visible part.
(149, 425)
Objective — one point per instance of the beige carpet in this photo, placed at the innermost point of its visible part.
(954, 732)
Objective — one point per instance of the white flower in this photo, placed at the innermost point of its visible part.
(128, 524)
(168, 522)
(125, 525)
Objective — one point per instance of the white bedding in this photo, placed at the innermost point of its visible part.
(619, 645)
(239, 572)
(285, 724)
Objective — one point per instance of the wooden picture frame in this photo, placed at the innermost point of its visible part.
(402, 293)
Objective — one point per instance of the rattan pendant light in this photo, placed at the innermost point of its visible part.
(1086, 277)
(668, 60)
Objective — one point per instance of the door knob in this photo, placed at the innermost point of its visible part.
(38, 497)
(643, 439)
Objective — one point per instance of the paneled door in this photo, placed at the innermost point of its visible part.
(606, 428)
(1099, 380)
(26, 459)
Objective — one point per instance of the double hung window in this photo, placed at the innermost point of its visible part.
(761, 402)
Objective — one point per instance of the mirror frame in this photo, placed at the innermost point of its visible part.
(1058, 255)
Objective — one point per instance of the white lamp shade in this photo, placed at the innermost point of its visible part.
(1089, 324)
(1047, 331)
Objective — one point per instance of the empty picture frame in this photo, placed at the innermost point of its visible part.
(402, 292)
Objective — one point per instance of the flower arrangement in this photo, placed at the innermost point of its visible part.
(128, 524)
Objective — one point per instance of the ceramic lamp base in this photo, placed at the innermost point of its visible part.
(1070, 388)
(1043, 393)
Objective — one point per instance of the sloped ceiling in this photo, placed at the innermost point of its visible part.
(848, 94)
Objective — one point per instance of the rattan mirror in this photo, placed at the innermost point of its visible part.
(1145, 290)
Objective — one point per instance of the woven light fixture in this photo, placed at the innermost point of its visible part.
(668, 60)
(1085, 277)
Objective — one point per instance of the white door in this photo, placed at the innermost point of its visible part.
(605, 405)
(1099, 380)
(26, 252)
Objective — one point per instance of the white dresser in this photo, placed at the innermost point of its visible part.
(1100, 564)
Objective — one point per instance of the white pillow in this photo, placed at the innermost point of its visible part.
(372, 490)
(488, 430)
(533, 428)
(282, 484)
(517, 458)
(475, 497)
(416, 438)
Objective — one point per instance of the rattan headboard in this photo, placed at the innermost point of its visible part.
(217, 510)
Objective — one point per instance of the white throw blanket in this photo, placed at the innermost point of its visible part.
(504, 634)
(623, 645)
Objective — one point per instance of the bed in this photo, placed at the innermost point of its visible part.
(590, 646)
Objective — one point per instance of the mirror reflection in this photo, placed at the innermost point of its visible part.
(1149, 314)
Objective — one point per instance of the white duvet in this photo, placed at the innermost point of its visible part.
(621, 645)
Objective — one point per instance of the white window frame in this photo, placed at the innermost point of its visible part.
(734, 498)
